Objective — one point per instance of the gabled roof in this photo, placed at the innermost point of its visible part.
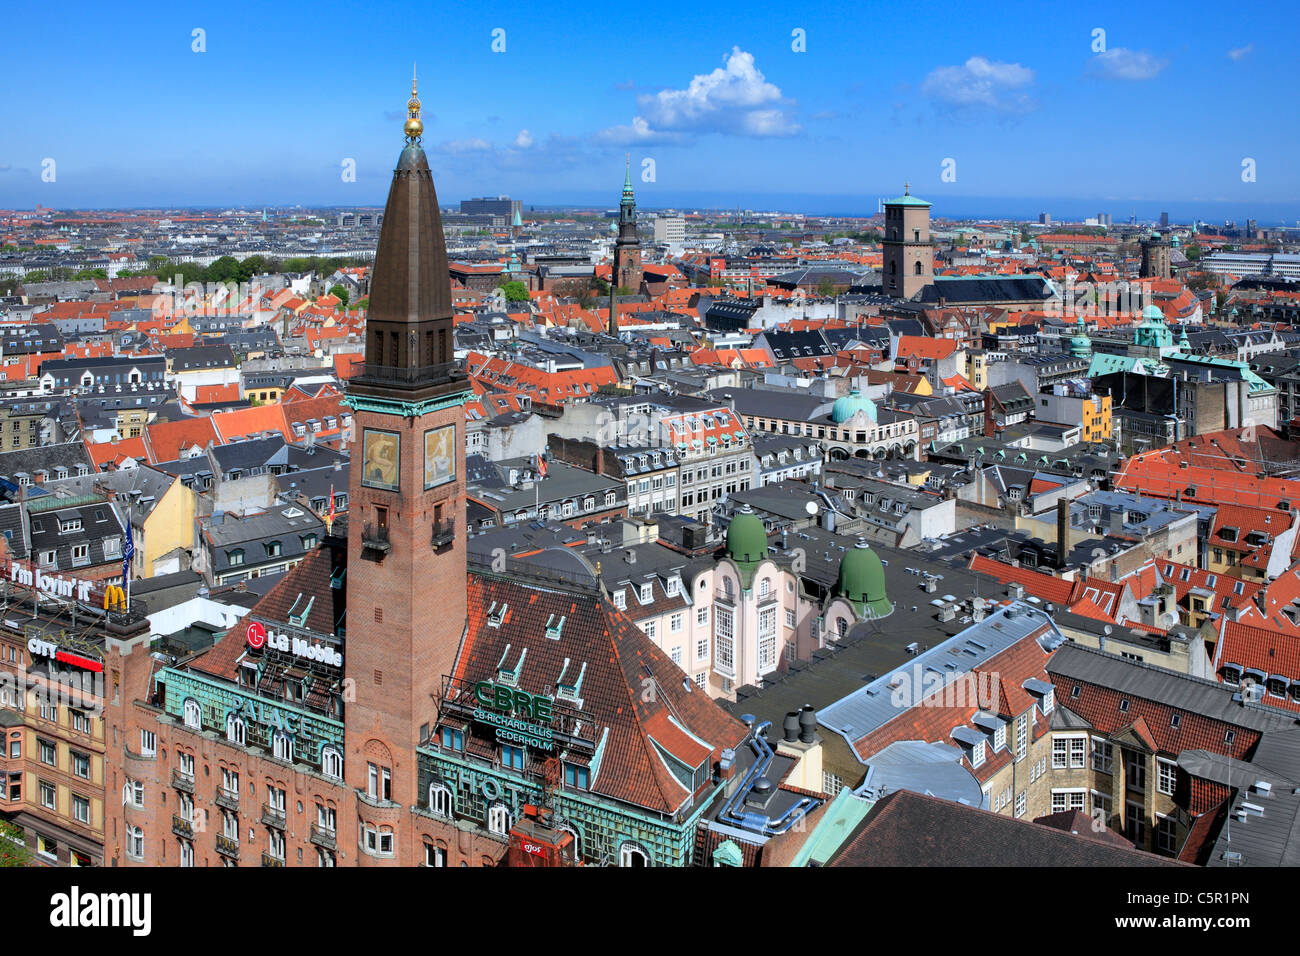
(617, 662)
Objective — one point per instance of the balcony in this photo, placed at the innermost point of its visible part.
(444, 533)
(228, 846)
(227, 799)
(182, 827)
(183, 781)
(273, 816)
(269, 860)
(323, 837)
(374, 538)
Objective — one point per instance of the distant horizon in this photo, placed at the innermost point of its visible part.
(959, 208)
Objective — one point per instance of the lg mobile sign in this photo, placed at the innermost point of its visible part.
(259, 637)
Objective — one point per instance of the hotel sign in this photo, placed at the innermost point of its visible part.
(519, 717)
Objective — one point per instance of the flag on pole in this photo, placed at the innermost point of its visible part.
(541, 465)
(128, 552)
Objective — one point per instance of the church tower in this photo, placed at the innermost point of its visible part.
(627, 250)
(406, 535)
(908, 251)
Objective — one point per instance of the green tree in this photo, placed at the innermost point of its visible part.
(91, 274)
(825, 288)
(1192, 252)
(13, 846)
(514, 291)
(341, 294)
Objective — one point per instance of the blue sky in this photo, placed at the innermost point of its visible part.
(1033, 108)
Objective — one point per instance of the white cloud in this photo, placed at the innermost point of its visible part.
(1123, 64)
(1241, 52)
(981, 82)
(466, 145)
(524, 139)
(735, 98)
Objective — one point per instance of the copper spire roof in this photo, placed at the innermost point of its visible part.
(410, 282)
(409, 342)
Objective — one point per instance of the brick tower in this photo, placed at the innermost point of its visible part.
(406, 535)
(626, 271)
(908, 251)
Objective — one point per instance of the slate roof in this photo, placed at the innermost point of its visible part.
(910, 829)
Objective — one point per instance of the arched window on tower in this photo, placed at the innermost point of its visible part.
(918, 266)
(893, 268)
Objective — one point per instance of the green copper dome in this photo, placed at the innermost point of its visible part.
(746, 537)
(849, 405)
(862, 581)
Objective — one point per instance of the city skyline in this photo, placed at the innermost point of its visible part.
(1101, 111)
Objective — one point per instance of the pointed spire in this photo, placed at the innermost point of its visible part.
(627, 180)
(410, 313)
(414, 126)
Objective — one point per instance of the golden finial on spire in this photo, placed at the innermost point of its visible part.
(414, 127)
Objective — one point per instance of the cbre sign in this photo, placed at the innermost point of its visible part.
(519, 717)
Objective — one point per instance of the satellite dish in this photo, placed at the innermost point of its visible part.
(811, 507)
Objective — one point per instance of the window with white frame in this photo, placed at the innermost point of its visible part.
(1022, 737)
(193, 717)
(702, 616)
(620, 599)
(675, 623)
(1063, 800)
(1166, 835)
(236, 731)
(331, 763)
(723, 643)
(1021, 800)
(629, 854)
(148, 743)
(977, 754)
(766, 639)
(1165, 775)
(133, 794)
(1069, 753)
(135, 842)
(282, 745)
(440, 801)
(434, 855)
(789, 617)
(1102, 807)
(1103, 755)
(1000, 737)
(499, 819)
(650, 629)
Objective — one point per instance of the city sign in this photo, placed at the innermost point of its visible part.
(40, 648)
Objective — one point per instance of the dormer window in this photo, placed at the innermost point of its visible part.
(620, 599)
(647, 593)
